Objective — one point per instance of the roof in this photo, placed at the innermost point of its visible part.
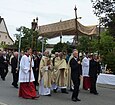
(2, 19)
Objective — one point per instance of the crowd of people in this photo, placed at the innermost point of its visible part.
(45, 73)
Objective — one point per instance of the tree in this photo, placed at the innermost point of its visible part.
(62, 47)
(84, 44)
(106, 7)
(107, 43)
(3, 46)
(29, 38)
(106, 10)
(106, 50)
(109, 59)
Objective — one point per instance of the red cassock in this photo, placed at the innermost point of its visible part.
(27, 90)
(86, 83)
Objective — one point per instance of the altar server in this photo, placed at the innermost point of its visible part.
(26, 77)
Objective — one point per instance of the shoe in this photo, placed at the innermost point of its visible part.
(36, 97)
(16, 87)
(48, 95)
(65, 92)
(55, 90)
(73, 99)
(12, 84)
(95, 93)
(3, 79)
(91, 92)
(78, 99)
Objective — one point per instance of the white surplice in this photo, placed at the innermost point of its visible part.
(85, 66)
(24, 69)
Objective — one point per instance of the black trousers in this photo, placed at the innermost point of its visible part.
(93, 84)
(1, 70)
(4, 72)
(36, 77)
(76, 83)
(15, 78)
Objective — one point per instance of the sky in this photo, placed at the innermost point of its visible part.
(22, 12)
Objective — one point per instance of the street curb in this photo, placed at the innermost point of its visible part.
(106, 86)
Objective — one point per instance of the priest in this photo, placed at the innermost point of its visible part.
(45, 75)
(62, 73)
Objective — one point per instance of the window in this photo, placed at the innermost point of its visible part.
(6, 37)
(4, 43)
(0, 36)
(8, 42)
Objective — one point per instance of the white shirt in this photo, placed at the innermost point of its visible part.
(75, 58)
(4, 57)
(24, 69)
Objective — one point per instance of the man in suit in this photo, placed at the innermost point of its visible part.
(14, 69)
(94, 70)
(1, 63)
(76, 73)
(4, 62)
(36, 59)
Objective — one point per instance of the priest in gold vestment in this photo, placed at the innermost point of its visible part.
(61, 76)
(45, 75)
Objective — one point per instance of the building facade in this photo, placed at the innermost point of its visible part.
(5, 38)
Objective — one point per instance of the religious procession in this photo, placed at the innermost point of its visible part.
(55, 58)
(41, 75)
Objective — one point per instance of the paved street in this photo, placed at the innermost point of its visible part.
(9, 96)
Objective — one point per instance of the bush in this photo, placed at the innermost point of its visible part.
(109, 59)
(62, 47)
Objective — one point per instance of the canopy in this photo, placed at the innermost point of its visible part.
(67, 27)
